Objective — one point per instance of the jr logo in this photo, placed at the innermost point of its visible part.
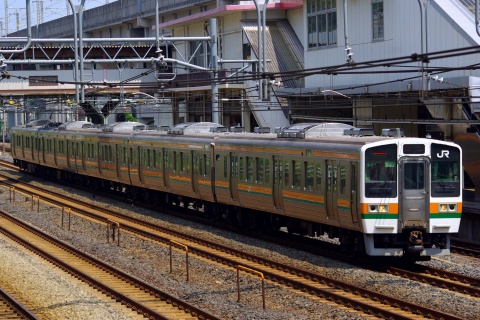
(444, 153)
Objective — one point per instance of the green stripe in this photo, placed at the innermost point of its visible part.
(445, 215)
(312, 203)
(380, 216)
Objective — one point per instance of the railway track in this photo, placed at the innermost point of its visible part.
(465, 248)
(436, 277)
(10, 308)
(353, 297)
(125, 289)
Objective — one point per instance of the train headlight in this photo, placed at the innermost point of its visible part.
(383, 208)
(442, 207)
(452, 207)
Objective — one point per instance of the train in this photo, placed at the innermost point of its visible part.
(382, 195)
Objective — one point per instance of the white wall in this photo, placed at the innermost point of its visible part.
(446, 30)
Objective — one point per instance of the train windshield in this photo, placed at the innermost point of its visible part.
(445, 171)
(381, 172)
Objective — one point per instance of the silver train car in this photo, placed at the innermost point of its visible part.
(384, 195)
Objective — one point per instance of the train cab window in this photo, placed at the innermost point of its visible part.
(250, 169)
(381, 171)
(297, 174)
(445, 171)
(260, 171)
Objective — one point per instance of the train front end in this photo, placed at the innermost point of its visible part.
(411, 199)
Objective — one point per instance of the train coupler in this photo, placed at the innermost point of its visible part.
(415, 240)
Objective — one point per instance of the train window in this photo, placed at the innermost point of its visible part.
(132, 156)
(343, 179)
(260, 171)
(181, 164)
(225, 166)
(149, 159)
(165, 159)
(267, 171)
(381, 171)
(207, 165)
(286, 173)
(297, 174)
(249, 169)
(240, 169)
(318, 174)
(200, 165)
(414, 176)
(445, 171)
(125, 157)
(309, 174)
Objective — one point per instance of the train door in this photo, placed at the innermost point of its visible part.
(414, 207)
(195, 156)
(277, 183)
(234, 171)
(331, 189)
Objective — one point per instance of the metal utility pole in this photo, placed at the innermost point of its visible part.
(39, 12)
(424, 4)
(262, 60)
(5, 4)
(214, 67)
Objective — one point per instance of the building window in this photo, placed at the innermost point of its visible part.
(377, 19)
(321, 23)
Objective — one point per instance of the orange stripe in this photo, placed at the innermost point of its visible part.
(392, 208)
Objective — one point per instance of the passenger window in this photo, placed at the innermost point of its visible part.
(207, 165)
(297, 174)
(249, 169)
(240, 169)
(267, 171)
(318, 176)
(225, 166)
(343, 179)
(260, 172)
(286, 172)
(309, 174)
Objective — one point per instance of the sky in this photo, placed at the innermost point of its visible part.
(52, 9)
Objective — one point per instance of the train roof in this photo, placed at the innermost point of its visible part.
(306, 132)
